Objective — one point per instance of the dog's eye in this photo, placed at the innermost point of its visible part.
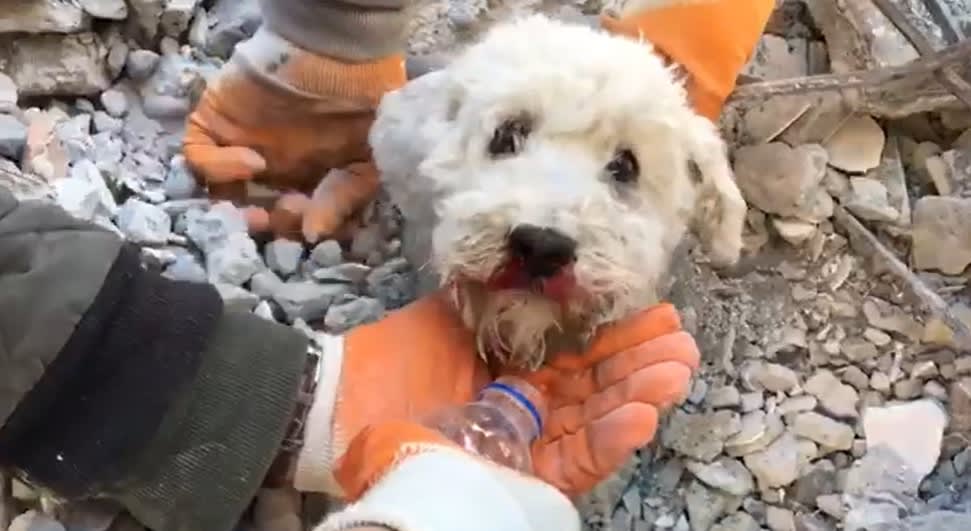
(509, 137)
(624, 168)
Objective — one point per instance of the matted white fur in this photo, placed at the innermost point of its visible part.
(587, 95)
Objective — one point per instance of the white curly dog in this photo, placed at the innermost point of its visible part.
(556, 168)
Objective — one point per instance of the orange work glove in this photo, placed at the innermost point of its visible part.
(284, 117)
(417, 360)
(406, 477)
(604, 404)
(712, 40)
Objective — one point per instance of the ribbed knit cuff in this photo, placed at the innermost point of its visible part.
(321, 449)
(445, 489)
(278, 61)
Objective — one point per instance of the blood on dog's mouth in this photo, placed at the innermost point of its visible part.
(513, 275)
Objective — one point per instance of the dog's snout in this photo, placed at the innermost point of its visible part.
(543, 251)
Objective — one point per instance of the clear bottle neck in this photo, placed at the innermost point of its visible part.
(522, 404)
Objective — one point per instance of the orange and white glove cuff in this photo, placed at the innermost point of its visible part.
(442, 488)
(322, 444)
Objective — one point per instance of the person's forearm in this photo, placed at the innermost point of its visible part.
(348, 30)
(157, 392)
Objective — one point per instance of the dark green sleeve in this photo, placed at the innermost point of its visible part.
(51, 268)
(162, 399)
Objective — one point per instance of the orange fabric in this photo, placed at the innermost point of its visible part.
(711, 39)
(246, 128)
(602, 404)
(375, 451)
(410, 364)
(605, 403)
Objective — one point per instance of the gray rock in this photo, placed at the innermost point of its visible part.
(758, 430)
(837, 398)
(778, 464)
(724, 396)
(179, 181)
(327, 254)
(738, 521)
(264, 310)
(8, 94)
(51, 64)
(107, 9)
(43, 16)
(85, 194)
(265, 283)
(779, 519)
(784, 181)
(115, 102)
(141, 64)
(392, 283)
(211, 228)
(145, 16)
(13, 137)
(343, 317)
(35, 521)
(199, 29)
(176, 16)
(868, 199)
(706, 506)
(144, 223)
(350, 273)
(702, 436)
(770, 376)
(857, 145)
(283, 256)
(919, 444)
(234, 261)
(823, 430)
(725, 474)
(104, 122)
(237, 298)
(941, 240)
(231, 21)
(187, 268)
(307, 300)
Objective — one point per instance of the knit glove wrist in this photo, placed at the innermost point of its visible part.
(410, 478)
(413, 362)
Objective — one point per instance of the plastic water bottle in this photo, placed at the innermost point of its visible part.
(500, 425)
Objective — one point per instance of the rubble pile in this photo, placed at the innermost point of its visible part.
(836, 391)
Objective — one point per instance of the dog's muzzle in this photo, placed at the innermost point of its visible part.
(539, 259)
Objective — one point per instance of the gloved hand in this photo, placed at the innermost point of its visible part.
(422, 358)
(283, 116)
(413, 362)
(405, 477)
(605, 403)
(712, 40)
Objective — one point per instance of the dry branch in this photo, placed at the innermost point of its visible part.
(947, 76)
(959, 53)
(929, 299)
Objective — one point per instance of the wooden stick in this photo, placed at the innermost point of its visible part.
(860, 79)
(946, 75)
(930, 300)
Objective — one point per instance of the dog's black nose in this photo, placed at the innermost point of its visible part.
(543, 251)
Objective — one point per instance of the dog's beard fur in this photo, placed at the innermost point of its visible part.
(587, 96)
(520, 327)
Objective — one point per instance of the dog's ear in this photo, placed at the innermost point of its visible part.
(720, 211)
(409, 126)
